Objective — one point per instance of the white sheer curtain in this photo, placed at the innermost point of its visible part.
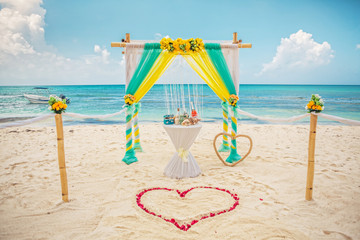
(133, 54)
(231, 54)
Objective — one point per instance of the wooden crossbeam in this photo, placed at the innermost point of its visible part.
(235, 41)
(123, 45)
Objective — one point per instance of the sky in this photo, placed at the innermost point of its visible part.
(51, 42)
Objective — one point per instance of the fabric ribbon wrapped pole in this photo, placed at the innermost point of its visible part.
(224, 147)
(234, 156)
(137, 145)
(135, 79)
(219, 62)
(130, 153)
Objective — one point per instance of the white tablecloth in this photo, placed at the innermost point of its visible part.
(183, 163)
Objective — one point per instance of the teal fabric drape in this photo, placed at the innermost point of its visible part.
(219, 62)
(148, 58)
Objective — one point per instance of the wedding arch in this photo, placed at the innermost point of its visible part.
(217, 63)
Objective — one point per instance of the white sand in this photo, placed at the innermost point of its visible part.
(102, 189)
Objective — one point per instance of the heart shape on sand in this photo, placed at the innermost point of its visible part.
(232, 138)
(186, 225)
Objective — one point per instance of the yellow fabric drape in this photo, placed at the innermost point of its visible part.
(202, 65)
(161, 64)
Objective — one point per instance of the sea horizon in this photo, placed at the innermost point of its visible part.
(123, 84)
(265, 100)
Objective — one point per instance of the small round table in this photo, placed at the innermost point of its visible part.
(183, 163)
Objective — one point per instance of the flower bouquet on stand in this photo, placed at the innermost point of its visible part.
(316, 104)
(57, 104)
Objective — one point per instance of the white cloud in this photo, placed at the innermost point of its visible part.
(21, 26)
(25, 58)
(159, 36)
(299, 51)
(97, 49)
(104, 54)
(357, 46)
(122, 62)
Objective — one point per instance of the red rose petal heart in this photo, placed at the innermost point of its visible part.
(186, 226)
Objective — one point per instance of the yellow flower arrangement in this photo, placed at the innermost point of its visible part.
(176, 45)
(129, 99)
(57, 104)
(181, 46)
(165, 44)
(233, 99)
(316, 104)
(187, 46)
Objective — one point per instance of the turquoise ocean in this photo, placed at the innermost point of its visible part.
(277, 101)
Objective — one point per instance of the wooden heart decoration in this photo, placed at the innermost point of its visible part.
(232, 138)
(185, 226)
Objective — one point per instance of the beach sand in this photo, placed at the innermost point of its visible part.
(270, 184)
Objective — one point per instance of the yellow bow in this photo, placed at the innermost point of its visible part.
(183, 154)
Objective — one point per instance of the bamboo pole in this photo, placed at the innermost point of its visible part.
(235, 38)
(244, 45)
(311, 157)
(61, 157)
(123, 45)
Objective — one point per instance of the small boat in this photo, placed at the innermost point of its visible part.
(40, 88)
(36, 98)
(42, 99)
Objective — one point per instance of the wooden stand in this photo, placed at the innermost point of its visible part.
(61, 157)
(311, 157)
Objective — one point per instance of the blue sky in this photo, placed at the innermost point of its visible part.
(68, 42)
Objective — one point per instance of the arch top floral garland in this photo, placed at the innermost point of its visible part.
(182, 46)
